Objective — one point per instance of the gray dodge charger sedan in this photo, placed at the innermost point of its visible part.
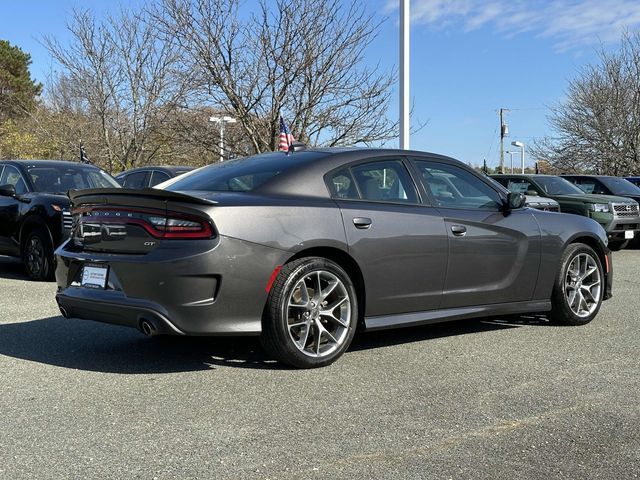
(304, 248)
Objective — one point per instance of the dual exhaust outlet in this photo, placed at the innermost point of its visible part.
(147, 327)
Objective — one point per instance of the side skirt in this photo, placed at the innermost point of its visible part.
(383, 322)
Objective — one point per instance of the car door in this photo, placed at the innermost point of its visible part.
(399, 243)
(494, 256)
(10, 210)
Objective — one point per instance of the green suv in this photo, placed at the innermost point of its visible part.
(619, 216)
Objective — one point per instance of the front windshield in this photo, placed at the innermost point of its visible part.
(620, 186)
(61, 179)
(557, 186)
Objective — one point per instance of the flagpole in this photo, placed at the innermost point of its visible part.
(404, 74)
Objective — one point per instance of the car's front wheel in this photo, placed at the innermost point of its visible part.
(37, 255)
(311, 314)
(579, 287)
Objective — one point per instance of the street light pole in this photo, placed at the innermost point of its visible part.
(404, 74)
(510, 158)
(221, 121)
(521, 145)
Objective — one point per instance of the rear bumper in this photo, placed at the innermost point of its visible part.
(212, 287)
(118, 310)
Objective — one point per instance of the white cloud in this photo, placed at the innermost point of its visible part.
(568, 23)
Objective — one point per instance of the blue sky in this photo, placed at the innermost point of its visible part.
(468, 59)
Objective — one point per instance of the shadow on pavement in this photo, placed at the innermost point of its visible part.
(93, 346)
(12, 268)
(367, 340)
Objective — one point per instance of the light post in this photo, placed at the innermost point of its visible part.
(404, 74)
(510, 153)
(516, 143)
(221, 121)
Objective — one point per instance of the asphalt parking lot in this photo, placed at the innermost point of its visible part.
(497, 398)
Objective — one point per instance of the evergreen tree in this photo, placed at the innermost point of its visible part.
(18, 91)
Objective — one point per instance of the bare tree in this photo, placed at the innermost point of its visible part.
(302, 59)
(597, 128)
(124, 79)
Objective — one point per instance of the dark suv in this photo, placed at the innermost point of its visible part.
(605, 185)
(619, 216)
(34, 208)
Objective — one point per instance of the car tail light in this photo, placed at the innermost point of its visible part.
(179, 227)
(159, 224)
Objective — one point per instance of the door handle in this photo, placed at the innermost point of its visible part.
(362, 222)
(459, 230)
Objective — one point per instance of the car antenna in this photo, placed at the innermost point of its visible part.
(296, 147)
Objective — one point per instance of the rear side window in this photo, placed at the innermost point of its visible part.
(135, 180)
(381, 181)
(158, 177)
(342, 185)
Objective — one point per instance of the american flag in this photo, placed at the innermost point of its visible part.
(286, 138)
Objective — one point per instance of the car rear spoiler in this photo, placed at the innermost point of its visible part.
(78, 196)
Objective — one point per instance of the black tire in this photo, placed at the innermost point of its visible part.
(37, 255)
(277, 340)
(617, 245)
(561, 312)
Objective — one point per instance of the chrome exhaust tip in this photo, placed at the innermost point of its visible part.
(148, 328)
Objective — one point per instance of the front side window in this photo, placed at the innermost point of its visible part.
(454, 187)
(385, 181)
(12, 176)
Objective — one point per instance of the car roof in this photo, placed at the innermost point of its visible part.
(165, 168)
(590, 176)
(46, 163)
(303, 171)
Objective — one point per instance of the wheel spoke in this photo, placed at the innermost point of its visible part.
(330, 315)
(302, 341)
(588, 272)
(572, 298)
(336, 304)
(327, 291)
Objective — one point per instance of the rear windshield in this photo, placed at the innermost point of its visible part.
(557, 186)
(54, 179)
(241, 175)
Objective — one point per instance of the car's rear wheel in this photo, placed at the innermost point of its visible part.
(37, 255)
(617, 245)
(311, 313)
(579, 287)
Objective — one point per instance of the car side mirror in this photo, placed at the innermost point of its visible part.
(532, 193)
(7, 191)
(515, 201)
